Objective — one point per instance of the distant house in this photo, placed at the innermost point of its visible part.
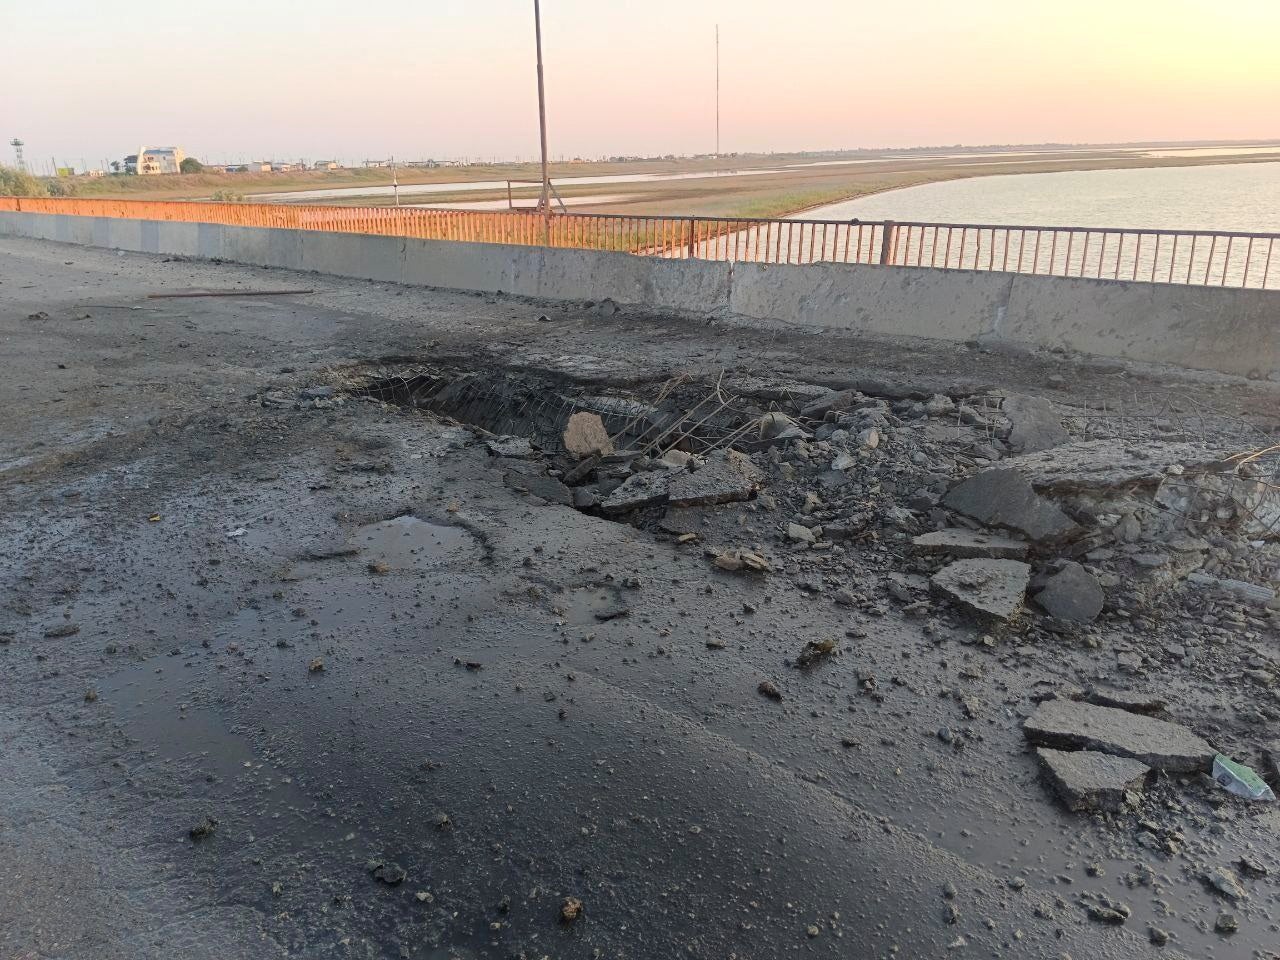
(283, 166)
(326, 165)
(155, 160)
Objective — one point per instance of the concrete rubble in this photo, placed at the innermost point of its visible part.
(1072, 593)
(585, 436)
(1004, 498)
(964, 544)
(992, 588)
(1068, 725)
(726, 477)
(1035, 424)
(1087, 780)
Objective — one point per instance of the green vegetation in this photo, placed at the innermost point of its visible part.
(227, 196)
(191, 165)
(18, 183)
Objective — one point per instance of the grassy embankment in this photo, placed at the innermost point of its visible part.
(773, 193)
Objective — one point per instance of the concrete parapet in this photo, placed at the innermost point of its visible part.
(1230, 330)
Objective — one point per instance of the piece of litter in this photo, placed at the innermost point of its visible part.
(237, 532)
(1240, 780)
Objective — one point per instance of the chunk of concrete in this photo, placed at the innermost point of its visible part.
(1071, 594)
(964, 544)
(1087, 780)
(585, 436)
(1098, 465)
(539, 485)
(1036, 425)
(1066, 724)
(639, 490)
(990, 588)
(1131, 700)
(1004, 498)
(726, 477)
(515, 447)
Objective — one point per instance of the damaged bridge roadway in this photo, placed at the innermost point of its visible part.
(316, 642)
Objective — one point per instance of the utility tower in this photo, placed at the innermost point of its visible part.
(17, 153)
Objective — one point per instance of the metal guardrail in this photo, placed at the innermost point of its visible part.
(1188, 257)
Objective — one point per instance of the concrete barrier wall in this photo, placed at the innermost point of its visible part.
(1229, 330)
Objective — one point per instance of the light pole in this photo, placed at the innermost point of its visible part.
(545, 203)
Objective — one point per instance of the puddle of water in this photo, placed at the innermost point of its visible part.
(409, 542)
(154, 711)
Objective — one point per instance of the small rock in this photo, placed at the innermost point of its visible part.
(1226, 924)
(800, 534)
(205, 828)
(388, 872)
(1071, 594)
(316, 665)
(1224, 884)
(570, 909)
(768, 689)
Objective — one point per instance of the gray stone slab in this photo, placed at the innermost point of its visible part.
(1087, 780)
(1107, 464)
(639, 490)
(1072, 594)
(990, 588)
(1065, 724)
(1036, 424)
(541, 486)
(1004, 498)
(962, 543)
(725, 478)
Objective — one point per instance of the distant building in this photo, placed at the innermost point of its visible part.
(283, 166)
(326, 165)
(155, 160)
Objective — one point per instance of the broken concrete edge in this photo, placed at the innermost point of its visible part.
(1072, 725)
(1090, 780)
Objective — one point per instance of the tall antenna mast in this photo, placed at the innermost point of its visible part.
(17, 153)
(717, 89)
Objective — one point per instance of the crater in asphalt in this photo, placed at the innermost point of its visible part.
(407, 542)
(537, 406)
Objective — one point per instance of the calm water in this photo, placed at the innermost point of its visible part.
(1237, 196)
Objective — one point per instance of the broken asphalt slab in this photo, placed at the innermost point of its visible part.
(1108, 464)
(962, 543)
(726, 477)
(1004, 498)
(1088, 780)
(992, 588)
(1068, 725)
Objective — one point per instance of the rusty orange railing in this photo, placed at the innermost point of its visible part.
(1189, 257)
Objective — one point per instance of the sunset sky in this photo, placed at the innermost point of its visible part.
(235, 79)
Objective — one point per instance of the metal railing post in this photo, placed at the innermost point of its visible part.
(887, 232)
